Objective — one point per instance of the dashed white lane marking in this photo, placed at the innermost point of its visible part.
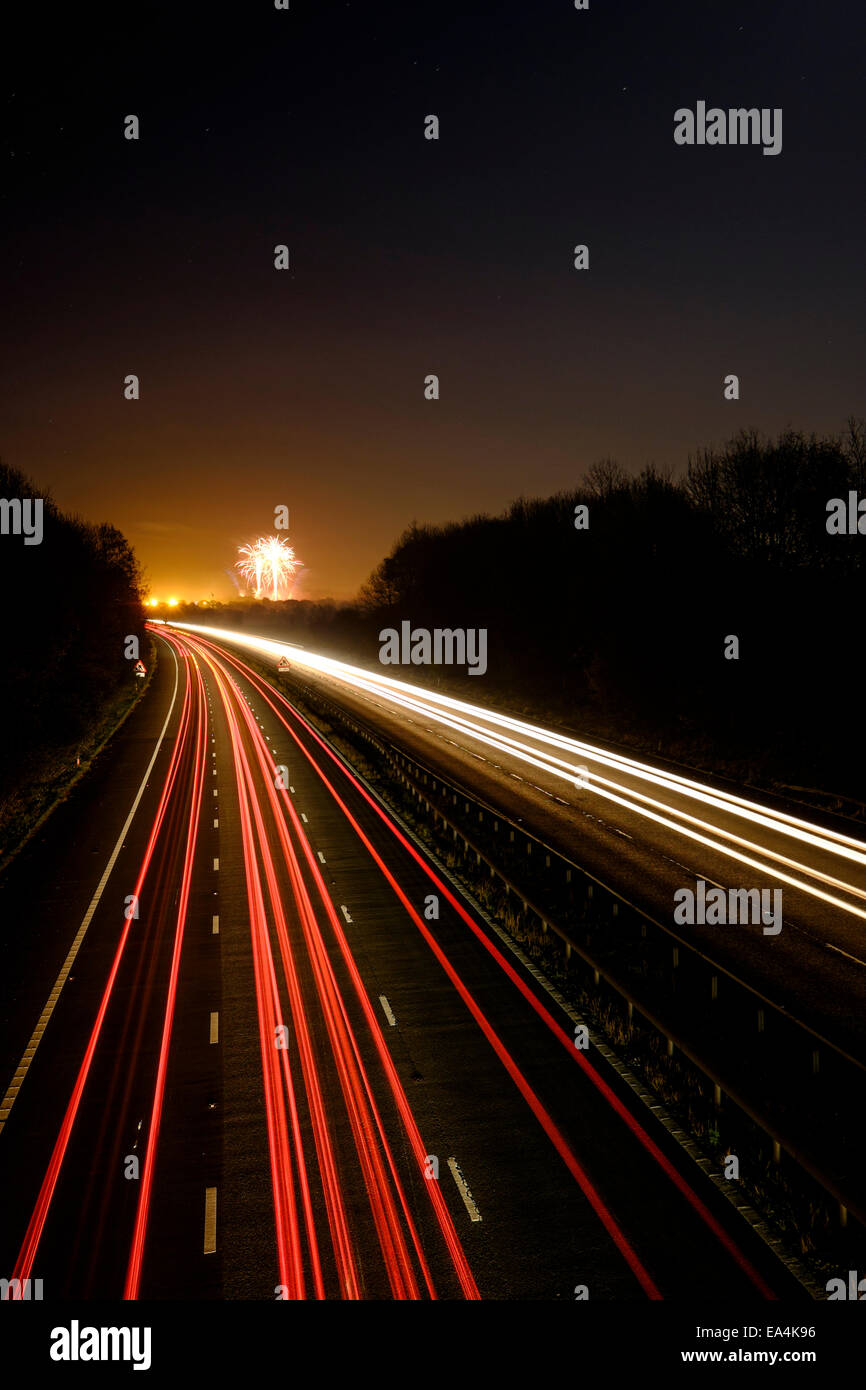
(216, 863)
(213, 772)
(387, 1010)
(856, 959)
(468, 1201)
(322, 857)
(215, 1027)
(345, 912)
(215, 926)
(291, 788)
(210, 1199)
(647, 1098)
(36, 1037)
(304, 819)
(216, 824)
(215, 792)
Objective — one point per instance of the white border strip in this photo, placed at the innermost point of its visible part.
(44, 1018)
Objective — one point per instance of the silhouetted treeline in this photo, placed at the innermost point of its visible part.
(68, 603)
(622, 627)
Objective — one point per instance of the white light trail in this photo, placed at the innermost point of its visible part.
(498, 731)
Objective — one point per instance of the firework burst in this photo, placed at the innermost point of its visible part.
(268, 565)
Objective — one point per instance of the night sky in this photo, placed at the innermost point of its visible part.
(411, 256)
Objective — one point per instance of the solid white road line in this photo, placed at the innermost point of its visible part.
(30, 1050)
(838, 949)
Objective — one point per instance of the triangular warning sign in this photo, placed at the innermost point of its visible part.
(140, 668)
(283, 665)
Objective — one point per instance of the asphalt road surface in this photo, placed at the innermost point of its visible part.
(649, 832)
(255, 1045)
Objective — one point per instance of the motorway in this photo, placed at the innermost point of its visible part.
(256, 1046)
(648, 831)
